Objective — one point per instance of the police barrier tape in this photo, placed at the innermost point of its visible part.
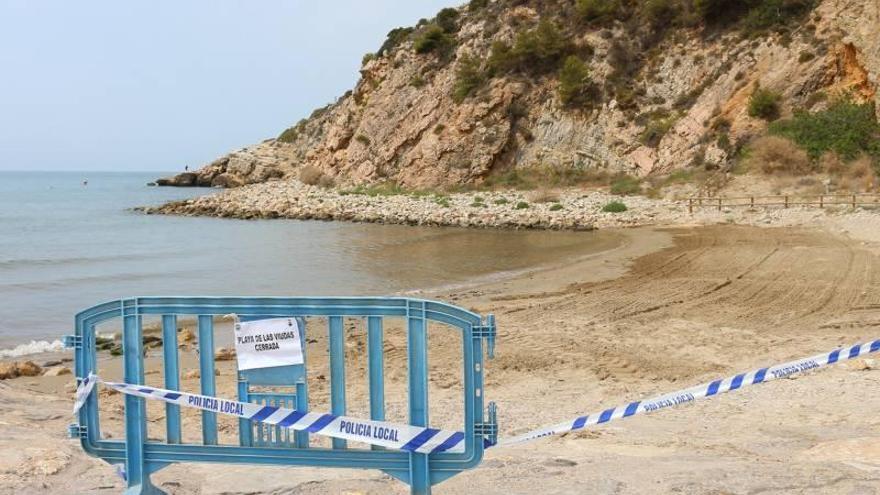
(382, 433)
(699, 392)
(429, 440)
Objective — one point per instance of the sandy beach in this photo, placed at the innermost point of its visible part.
(664, 309)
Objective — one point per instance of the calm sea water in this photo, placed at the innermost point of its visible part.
(65, 246)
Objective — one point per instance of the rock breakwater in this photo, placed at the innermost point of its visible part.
(562, 210)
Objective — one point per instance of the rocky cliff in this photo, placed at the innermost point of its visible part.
(635, 86)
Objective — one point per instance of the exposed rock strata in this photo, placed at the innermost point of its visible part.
(400, 122)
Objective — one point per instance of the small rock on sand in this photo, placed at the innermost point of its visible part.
(863, 364)
(224, 354)
(57, 371)
(185, 336)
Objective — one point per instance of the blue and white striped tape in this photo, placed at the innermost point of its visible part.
(703, 391)
(382, 433)
(429, 440)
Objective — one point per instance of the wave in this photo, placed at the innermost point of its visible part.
(76, 260)
(33, 347)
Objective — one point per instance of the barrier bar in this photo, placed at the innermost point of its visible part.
(172, 376)
(137, 476)
(337, 372)
(376, 355)
(206, 371)
(417, 346)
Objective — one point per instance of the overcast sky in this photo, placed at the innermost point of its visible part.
(156, 85)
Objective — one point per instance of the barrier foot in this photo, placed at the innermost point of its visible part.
(145, 488)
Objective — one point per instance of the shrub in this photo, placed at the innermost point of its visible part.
(447, 19)
(764, 104)
(310, 175)
(468, 77)
(555, 207)
(806, 56)
(831, 164)
(478, 204)
(597, 10)
(660, 13)
(367, 58)
(434, 39)
(614, 207)
(516, 110)
(544, 195)
(395, 37)
(501, 58)
(475, 5)
(373, 190)
(656, 129)
(326, 182)
(776, 155)
(417, 81)
(721, 11)
(535, 51)
(861, 168)
(768, 15)
(522, 205)
(625, 185)
(575, 87)
(501, 201)
(289, 135)
(362, 139)
(537, 176)
(845, 127)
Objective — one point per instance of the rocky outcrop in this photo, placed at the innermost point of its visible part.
(686, 104)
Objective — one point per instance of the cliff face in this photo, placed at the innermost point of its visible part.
(657, 101)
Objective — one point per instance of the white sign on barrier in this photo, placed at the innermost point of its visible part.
(268, 343)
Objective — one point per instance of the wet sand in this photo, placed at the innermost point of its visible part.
(664, 310)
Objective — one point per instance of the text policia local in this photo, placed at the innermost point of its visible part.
(368, 430)
(222, 406)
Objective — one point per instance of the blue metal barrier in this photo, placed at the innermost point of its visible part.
(259, 444)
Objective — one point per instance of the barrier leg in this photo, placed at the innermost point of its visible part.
(420, 476)
(302, 404)
(136, 469)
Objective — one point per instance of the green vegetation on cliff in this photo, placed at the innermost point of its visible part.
(845, 128)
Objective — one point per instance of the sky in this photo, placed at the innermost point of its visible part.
(158, 85)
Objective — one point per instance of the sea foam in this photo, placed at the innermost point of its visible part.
(33, 347)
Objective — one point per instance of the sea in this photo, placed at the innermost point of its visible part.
(70, 240)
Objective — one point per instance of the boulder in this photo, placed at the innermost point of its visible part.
(186, 179)
(29, 368)
(7, 370)
(57, 371)
(152, 341)
(226, 180)
(19, 368)
(240, 165)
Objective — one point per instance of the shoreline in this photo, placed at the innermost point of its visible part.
(612, 260)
